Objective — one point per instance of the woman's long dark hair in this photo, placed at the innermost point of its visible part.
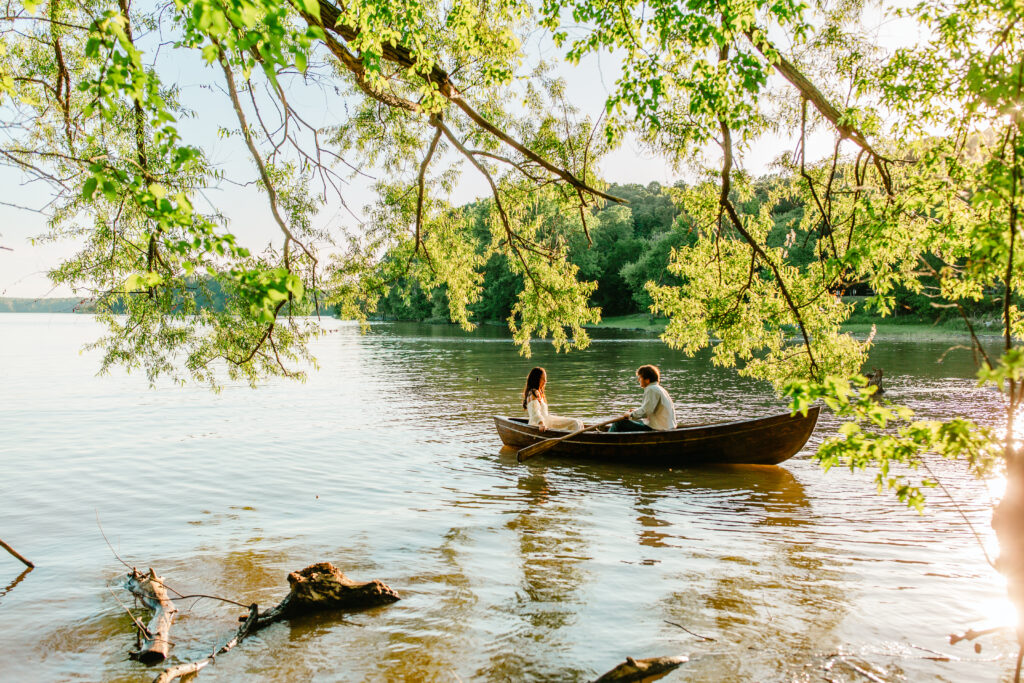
(533, 385)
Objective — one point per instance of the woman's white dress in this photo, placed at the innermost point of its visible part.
(538, 411)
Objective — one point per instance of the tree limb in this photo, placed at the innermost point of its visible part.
(810, 92)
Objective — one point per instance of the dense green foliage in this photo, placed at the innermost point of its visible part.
(624, 241)
(632, 246)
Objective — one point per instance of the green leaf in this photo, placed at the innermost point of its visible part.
(89, 187)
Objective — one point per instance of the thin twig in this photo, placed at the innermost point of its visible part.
(949, 495)
(943, 657)
(108, 542)
(179, 596)
(142, 628)
(697, 635)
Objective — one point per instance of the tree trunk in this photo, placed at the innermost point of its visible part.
(1008, 523)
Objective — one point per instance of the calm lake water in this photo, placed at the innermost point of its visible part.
(386, 463)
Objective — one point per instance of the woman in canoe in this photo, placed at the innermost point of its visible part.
(536, 404)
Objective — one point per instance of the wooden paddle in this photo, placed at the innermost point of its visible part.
(541, 446)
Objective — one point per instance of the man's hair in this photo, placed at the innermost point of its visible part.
(649, 372)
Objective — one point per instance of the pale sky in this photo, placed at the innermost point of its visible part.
(23, 267)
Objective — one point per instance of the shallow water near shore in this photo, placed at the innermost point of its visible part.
(386, 463)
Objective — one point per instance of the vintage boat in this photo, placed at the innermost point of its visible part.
(762, 441)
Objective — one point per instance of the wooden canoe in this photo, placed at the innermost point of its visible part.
(762, 441)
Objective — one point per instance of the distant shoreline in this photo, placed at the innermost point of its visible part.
(886, 329)
(44, 305)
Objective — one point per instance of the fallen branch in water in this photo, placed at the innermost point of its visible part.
(971, 634)
(941, 656)
(867, 674)
(649, 669)
(839, 656)
(14, 552)
(156, 639)
(317, 588)
(193, 668)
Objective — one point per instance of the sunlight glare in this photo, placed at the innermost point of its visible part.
(996, 486)
(999, 612)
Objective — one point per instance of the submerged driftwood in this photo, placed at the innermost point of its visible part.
(317, 588)
(634, 670)
(321, 587)
(156, 637)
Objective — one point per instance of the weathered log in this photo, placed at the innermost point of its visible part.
(193, 668)
(321, 587)
(14, 552)
(635, 670)
(156, 639)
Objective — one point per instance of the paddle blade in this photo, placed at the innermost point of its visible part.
(538, 448)
(534, 449)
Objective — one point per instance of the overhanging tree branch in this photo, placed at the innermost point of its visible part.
(331, 21)
(737, 223)
(810, 92)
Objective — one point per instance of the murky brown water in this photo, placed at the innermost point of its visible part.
(386, 463)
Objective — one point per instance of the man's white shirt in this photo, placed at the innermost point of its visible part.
(657, 408)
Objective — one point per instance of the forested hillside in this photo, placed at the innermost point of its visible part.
(631, 245)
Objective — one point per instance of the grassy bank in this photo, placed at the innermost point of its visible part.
(636, 321)
(887, 329)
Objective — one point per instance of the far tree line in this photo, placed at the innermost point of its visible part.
(631, 246)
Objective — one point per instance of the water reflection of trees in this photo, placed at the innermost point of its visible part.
(726, 551)
(552, 550)
(769, 590)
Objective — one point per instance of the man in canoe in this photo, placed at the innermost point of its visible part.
(656, 408)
